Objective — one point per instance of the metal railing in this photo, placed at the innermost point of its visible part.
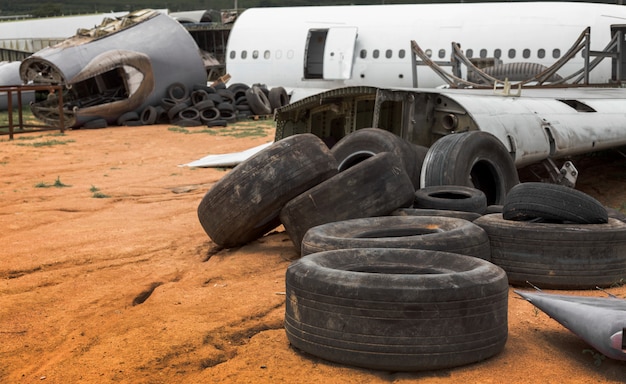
(23, 126)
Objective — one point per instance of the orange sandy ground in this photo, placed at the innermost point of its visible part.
(73, 269)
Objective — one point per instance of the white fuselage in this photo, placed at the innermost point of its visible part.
(329, 47)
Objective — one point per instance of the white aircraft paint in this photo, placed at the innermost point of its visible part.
(226, 159)
(269, 45)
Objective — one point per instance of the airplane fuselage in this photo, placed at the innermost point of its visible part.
(330, 47)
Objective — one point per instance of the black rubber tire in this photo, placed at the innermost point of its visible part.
(161, 115)
(227, 112)
(173, 112)
(410, 232)
(494, 208)
(149, 115)
(96, 124)
(227, 95)
(216, 98)
(452, 197)
(258, 101)
(238, 89)
(278, 97)
(557, 256)
(167, 103)
(552, 202)
(244, 204)
(209, 114)
(366, 142)
(217, 123)
(184, 122)
(198, 96)
(189, 113)
(178, 92)
(469, 216)
(396, 309)
(204, 104)
(374, 187)
(474, 159)
(414, 160)
(127, 117)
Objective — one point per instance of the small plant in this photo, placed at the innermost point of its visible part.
(96, 194)
(47, 143)
(598, 358)
(178, 129)
(57, 184)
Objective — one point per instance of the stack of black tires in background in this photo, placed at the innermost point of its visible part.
(399, 276)
(203, 105)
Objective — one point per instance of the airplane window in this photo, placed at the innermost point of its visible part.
(363, 53)
(541, 53)
(469, 53)
(255, 54)
(401, 53)
(388, 53)
(497, 53)
(266, 55)
(429, 52)
(279, 54)
(442, 53)
(290, 54)
(244, 54)
(526, 53)
(233, 54)
(556, 53)
(483, 53)
(511, 53)
(376, 54)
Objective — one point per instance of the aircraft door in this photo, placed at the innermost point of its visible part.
(339, 53)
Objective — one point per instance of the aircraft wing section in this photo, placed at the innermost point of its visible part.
(226, 159)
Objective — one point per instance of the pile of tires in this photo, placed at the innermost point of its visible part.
(374, 288)
(556, 237)
(374, 174)
(202, 105)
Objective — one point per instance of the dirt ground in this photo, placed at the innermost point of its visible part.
(107, 276)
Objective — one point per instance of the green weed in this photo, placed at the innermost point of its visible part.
(47, 143)
(57, 184)
(96, 194)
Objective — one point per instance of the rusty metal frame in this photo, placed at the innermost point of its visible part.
(582, 75)
(18, 89)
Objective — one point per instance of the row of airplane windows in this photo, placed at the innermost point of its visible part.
(482, 53)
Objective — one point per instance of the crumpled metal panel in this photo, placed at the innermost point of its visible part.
(125, 64)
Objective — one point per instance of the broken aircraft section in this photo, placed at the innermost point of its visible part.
(124, 64)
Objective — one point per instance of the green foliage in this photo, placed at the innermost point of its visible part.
(57, 184)
(96, 194)
(47, 143)
(47, 10)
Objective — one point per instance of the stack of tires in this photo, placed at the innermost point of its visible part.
(202, 105)
(556, 237)
(381, 284)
